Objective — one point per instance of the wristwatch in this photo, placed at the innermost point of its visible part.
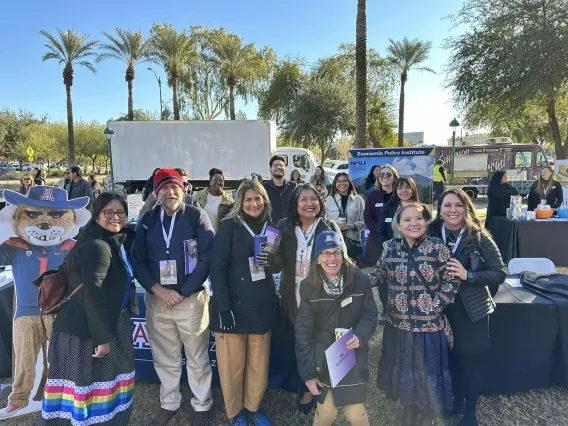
(470, 276)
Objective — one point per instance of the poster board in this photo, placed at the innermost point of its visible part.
(417, 163)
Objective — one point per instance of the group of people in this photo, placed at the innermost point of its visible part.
(72, 181)
(435, 279)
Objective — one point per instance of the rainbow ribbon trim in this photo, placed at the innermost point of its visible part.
(87, 405)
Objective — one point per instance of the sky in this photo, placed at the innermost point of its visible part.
(298, 28)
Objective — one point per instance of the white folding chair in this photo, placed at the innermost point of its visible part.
(540, 265)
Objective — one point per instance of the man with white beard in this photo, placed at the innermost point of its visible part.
(177, 295)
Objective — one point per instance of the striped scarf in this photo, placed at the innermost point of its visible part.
(333, 286)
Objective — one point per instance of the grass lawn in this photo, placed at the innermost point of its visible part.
(546, 407)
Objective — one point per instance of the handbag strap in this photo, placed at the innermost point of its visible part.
(65, 300)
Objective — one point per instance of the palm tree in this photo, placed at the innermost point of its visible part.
(361, 75)
(72, 48)
(405, 55)
(243, 67)
(130, 48)
(172, 49)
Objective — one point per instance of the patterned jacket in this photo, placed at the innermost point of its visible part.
(419, 286)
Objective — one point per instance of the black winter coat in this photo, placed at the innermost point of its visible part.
(253, 303)
(499, 195)
(470, 337)
(318, 316)
(385, 231)
(92, 313)
(286, 260)
(554, 196)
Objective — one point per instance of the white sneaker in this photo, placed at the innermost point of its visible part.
(9, 411)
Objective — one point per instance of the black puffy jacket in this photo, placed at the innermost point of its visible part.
(473, 337)
(318, 316)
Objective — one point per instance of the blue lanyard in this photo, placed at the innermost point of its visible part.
(127, 264)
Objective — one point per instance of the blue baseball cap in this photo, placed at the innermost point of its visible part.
(328, 240)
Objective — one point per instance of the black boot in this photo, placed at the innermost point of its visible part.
(409, 416)
(426, 419)
(469, 419)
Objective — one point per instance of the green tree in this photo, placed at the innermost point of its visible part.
(322, 110)
(361, 74)
(14, 129)
(71, 48)
(173, 49)
(406, 55)
(140, 115)
(132, 49)
(91, 141)
(513, 56)
(244, 68)
(204, 87)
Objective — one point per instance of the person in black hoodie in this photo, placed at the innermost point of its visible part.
(279, 190)
(335, 295)
(546, 190)
(405, 190)
(306, 219)
(461, 230)
(243, 306)
(149, 185)
(91, 341)
(499, 193)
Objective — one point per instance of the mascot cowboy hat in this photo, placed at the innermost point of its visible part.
(44, 216)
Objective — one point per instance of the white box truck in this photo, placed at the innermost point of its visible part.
(239, 148)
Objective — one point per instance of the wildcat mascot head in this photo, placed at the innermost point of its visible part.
(44, 217)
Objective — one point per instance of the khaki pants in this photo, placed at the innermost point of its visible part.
(326, 413)
(29, 338)
(242, 360)
(187, 324)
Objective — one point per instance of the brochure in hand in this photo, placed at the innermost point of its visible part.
(340, 361)
(274, 236)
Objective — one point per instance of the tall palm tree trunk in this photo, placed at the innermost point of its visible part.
(175, 98)
(403, 78)
(231, 82)
(129, 80)
(361, 75)
(70, 129)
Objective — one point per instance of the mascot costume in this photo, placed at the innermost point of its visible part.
(38, 231)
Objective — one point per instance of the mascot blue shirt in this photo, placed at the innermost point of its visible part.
(37, 230)
(29, 262)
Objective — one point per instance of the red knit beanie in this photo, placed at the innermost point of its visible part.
(164, 177)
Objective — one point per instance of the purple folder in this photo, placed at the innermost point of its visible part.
(340, 361)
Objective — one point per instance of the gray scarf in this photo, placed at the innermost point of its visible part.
(333, 286)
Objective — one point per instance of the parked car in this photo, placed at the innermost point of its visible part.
(340, 165)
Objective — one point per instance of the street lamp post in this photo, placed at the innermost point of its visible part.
(109, 132)
(453, 124)
(159, 80)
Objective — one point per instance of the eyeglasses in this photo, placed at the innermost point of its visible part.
(328, 254)
(109, 214)
(27, 179)
(385, 174)
(342, 181)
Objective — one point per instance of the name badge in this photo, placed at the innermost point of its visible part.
(388, 219)
(379, 204)
(168, 272)
(346, 302)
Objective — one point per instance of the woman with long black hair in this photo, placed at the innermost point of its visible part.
(306, 219)
(499, 193)
(91, 357)
(476, 261)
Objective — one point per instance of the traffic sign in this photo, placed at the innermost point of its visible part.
(30, 151)
(30, 158)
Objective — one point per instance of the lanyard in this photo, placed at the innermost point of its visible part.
(455, 247)
(127, 263)
(252, 233)
(306, 240)
(544, 192)
(168, 237)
